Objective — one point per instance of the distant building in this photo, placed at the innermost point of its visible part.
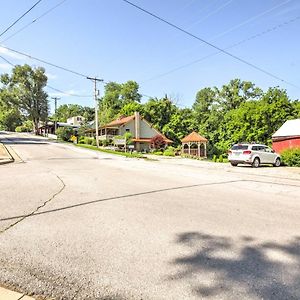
(287, 136)
(141, 130)
(46, 128)
(77, 120)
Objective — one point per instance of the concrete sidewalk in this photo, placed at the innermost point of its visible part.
(5, 156)
(6, 294)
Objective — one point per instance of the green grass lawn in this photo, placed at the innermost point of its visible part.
(126, 154)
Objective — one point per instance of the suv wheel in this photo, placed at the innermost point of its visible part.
(234, 164)
(277, 162)
(256, 162)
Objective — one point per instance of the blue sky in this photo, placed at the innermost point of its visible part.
(116, 42)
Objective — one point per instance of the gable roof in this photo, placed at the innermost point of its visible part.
(120, 121)
(193, 137)
(289, 128)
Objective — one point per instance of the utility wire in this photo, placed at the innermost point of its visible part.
(250, 20)
(15, 22)
(69, 94)
(229, 47)
(33, 21)
(44, 62)
(209, 44)
(50, 87)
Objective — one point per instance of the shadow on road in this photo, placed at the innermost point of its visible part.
(263, 270)
(20, 140)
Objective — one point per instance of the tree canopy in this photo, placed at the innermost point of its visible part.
(23, 90)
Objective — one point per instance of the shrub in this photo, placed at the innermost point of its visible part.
(88, 140)
(169, 152)
(94, 142)
(19, 129)
(158, 142)
(105, 143)
(64, 133)
(291, 157)
(158, 153)
(214, 159)
(81, 140)
(221, 158)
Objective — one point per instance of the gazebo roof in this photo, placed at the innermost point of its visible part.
(193, 137)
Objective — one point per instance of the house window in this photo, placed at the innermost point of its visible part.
(127, 130)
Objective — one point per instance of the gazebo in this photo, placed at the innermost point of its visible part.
(194, 144)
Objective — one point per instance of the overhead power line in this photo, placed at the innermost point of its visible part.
(15, 22)
(34, 21)
(229, 47)
(210, 44)
(45, 62)
(50, 87)
(235, 27)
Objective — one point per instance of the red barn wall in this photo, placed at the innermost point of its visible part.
(279, 146)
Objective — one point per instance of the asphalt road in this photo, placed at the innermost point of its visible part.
(76, 224)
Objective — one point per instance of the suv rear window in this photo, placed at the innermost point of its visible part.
(239, 147)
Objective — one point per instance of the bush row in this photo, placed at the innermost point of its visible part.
(291, 157)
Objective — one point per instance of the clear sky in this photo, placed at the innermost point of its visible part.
(116, 42)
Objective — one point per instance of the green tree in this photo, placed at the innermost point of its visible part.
(116, 96)
(181, 123)
(66, 111)
(26, 85)
(129, 109)
(236, 92)
(159, 111)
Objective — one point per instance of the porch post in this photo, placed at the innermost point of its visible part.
(205, 154)
(189, 144)
(199, 154)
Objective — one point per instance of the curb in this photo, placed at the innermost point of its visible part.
(9, 158)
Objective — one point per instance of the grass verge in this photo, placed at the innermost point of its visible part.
(126, 154)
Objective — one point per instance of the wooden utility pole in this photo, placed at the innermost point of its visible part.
(96, 93)
(55, 109)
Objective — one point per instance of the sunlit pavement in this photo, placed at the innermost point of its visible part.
(79, 224)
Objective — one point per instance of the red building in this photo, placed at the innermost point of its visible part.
(287, 136)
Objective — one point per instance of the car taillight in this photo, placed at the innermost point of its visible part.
(247, 152)
(229, 152)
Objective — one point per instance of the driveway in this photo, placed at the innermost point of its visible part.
(76, 224)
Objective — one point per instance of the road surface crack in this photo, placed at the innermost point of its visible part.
(39, 207)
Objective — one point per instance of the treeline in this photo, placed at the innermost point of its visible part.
(237, 112)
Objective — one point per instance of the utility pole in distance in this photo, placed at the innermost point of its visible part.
(55, 109)
(95, 79)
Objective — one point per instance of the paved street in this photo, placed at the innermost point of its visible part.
(76, 224)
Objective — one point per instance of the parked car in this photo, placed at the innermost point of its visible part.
(253, 154)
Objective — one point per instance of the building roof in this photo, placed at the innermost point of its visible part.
(193, 137)
(289, 128)
(119, 121)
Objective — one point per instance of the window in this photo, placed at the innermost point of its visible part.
(127, 130)
(239, 147)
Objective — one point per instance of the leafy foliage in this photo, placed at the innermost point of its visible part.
(158, 142)
(65, 133)
(66, 111)
(291, 157)
(24, 88)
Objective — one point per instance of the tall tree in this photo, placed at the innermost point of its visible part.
(159, 111)
(116, 96)
(26, 84)
(66, 111)
(237, 92)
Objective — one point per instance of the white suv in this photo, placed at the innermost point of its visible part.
(253, 154)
